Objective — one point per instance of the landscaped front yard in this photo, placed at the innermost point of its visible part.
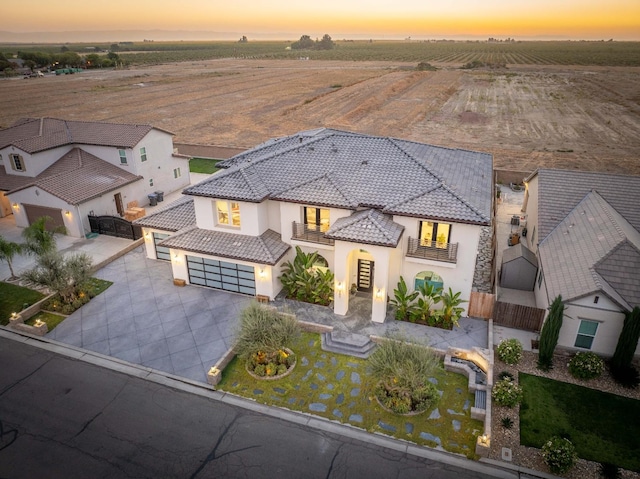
(340, 388)
(602, 426)
(13, 299)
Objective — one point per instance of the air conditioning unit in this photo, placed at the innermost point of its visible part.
(523, 220)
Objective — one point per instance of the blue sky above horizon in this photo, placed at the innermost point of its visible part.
(520, 19)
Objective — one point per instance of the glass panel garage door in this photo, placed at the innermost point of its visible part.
(161, 251)
(234, 277)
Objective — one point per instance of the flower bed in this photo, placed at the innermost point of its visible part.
(271, 366)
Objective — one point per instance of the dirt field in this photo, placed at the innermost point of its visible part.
(527, 116)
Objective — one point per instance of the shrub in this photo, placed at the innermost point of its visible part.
(586, 365)
(404, 370)
(264, 330)
(626, 376)
(510, 351)
(559, 454)
(507, 422)
(549, 334)
(507, 393)
(506, 375)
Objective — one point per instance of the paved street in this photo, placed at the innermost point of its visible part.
(66, 418)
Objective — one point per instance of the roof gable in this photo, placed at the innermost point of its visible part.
(621, 269)
(368, 227)
(79, 176)
(559, 191)
(176, 216)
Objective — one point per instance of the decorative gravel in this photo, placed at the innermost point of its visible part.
(529, 456)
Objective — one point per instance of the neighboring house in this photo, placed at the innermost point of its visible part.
(585, 230)
(71, 169)
(374, 208)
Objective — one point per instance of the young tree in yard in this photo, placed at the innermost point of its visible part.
(39, 239)
(8, 249)
(65, 275)
(549, 334)
(621, 366)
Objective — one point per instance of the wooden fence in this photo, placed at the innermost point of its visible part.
(481, 305)
(518, 316)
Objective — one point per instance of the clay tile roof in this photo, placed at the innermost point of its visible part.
(174, 217)
(38, 134)
(267, 248)
(368, 227)
(349, 170)
(79, 176)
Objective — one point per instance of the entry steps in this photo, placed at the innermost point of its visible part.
(347, 343)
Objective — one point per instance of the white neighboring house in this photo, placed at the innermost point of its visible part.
(374, 208)
(585, 230)
(70, 169)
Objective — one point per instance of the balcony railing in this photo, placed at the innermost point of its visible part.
(312, 234)
(447, 252)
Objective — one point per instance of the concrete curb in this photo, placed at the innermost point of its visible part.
(494, 469)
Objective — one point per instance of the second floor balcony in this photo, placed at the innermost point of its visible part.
(311, 233)
(434, 250)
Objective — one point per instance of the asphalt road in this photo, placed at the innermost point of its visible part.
(66, 418)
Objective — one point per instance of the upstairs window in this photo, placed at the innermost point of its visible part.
(143, 154)
(176, 173)
(228, 213)
(434, 235)
(316, 219)
(17, 163)
(123, 157)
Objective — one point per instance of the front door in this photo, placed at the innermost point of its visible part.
(365, 275)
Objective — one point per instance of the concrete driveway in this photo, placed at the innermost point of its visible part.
(145, 319)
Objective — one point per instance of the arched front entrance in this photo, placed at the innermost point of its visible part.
(361, 274)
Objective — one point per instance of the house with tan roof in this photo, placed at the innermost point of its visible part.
(374, 208)
(68, 170)
(584, 228)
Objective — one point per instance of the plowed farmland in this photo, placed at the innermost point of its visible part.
(528, 116)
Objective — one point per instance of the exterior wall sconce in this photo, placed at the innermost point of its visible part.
(176, 258)
(340, 287)
(147, 235)
(379, 294)
(68, 213)
(262, 273)
(15, 206)
(484, 439)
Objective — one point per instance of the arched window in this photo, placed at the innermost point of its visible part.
(428, 277)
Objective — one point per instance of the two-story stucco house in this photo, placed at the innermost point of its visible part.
(584, 228)
(374, 208)
(68, 170)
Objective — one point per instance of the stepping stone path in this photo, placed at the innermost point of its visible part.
(318, 407)
(340, 398)
(355, 392)
(324, 396)
(355, 378)
(304, 362)
(386, 427)
(340, 375)
(430, 437)
(355, 418)
(258, 392)
(454, 413)
(337, 413)
(408, 428)
(435, 414)
(279, 390)
(456, 425)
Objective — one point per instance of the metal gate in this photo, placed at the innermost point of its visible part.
(114, 226)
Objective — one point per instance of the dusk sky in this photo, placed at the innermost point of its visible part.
(521, 19)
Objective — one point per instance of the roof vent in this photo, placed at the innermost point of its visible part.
(334, 149)
(311, 148)
(365, 162)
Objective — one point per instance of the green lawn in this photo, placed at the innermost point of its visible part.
(51, 319)
(342, 386)
(602, 426)
(203, 165)
(13, 298)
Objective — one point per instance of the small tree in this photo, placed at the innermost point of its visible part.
(65, 275)
(326, 43)
(621, 367)
(550, 333)
(8, 249)
(305, 43)
(39, 239)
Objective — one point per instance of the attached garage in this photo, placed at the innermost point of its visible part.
(234, 277)
(162, 252)
(35, 211)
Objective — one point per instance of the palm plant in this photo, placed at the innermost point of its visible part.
(403, 300)
(429, 295)
(302, 281)
(451, 310)
(39, 239)
(8, 249)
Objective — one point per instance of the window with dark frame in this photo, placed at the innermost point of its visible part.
(123, 157)
(433, 234)
(316, 219)
(16, 162)
(143, 154)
